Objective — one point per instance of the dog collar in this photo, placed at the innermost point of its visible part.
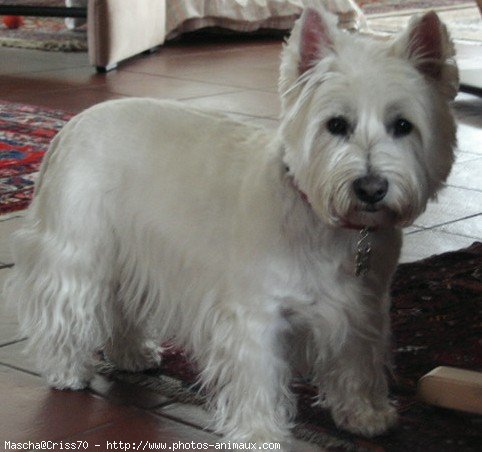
(363, 246)
(294, 184)
(304, 197)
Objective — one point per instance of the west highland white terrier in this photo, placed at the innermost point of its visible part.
(258, 251)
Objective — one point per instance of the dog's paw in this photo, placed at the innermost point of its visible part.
(66, 381)
(148, 356)
(366, 420)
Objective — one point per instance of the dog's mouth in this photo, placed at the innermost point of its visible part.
(376, 216)
(371, 208)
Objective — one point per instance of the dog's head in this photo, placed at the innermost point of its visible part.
(366, 123)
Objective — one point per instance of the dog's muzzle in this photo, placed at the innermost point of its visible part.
(370, 189)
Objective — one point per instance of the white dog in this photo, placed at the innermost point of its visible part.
(152, 220)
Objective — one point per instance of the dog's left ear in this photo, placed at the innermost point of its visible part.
(315, 39)
(427, 45)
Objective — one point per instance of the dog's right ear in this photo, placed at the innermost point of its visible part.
(310, 41)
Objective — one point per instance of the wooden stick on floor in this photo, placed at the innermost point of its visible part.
(450, 387)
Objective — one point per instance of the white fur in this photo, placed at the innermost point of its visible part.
(154, 221)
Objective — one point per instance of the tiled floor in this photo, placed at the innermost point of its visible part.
(239, 77)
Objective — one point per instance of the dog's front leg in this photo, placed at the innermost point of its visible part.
(246, 374)
(353, 381)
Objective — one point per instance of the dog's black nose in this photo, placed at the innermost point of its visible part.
(370, 189)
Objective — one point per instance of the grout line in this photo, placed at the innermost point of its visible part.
(413, 232)
(11, 216)
(13, 341)
(471, 237)
(272, 118)
(25, 74)
(97, 427)
(113, 91)
(471, 156)
(234, 115)
(211, 95)
(465, 188)
(242, 88)
(447, 222)
(106, 397)
(468, 217)
(441, 231)
(201, 52)
(182, 421)
(20, 369)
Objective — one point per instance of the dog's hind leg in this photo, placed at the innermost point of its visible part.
(60, 284)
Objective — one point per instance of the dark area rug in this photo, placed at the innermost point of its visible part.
(437, 320)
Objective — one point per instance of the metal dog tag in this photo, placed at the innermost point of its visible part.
(363, 251)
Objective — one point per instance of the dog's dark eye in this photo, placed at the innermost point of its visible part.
(338, 126)
(402, 127)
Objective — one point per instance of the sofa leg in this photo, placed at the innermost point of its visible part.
(104, 69)
(151, 50)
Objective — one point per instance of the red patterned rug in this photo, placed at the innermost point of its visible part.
(25, 134)
(437, 320)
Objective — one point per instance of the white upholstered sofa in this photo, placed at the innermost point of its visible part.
(119, 29)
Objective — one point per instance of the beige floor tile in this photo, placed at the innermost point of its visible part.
(252, 103)
(425, 243)
(470, 227)
(462, 157)
(411, 229)
(467, 175)
(8, 316)
(7, 228)
(166, 88)
(452, 204)
(256, 69)
(467, 109)
(190, 46)
(14, 355)
(469, 138)
(265, 122)
(196, 415)
(11, 372)
(30, 411)
(116, 82)
(17, 61)
(80, 100)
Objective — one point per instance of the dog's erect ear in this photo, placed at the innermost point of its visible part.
(427, 44)
(311, 39)
(315, 39)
